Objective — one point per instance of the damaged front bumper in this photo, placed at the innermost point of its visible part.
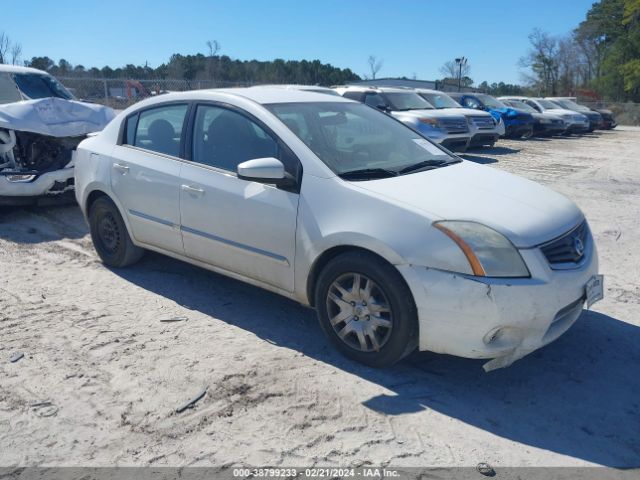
(499, 319)
(20, 188)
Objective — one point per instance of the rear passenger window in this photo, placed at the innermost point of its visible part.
(8, 90)
(158, 129)
(374, 100)
(353, 96)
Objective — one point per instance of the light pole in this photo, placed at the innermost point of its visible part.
(460, 62)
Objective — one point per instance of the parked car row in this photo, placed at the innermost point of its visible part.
(361, 213)
(459, 121)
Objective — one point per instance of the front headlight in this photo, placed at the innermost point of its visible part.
(490, 254)
(545, 120)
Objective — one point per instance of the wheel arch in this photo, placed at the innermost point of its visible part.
(325, 257)
(97, 192)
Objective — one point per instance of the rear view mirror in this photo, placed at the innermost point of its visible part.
(265, 170)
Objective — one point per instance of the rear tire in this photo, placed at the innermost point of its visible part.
(366, 309)
(110, 236)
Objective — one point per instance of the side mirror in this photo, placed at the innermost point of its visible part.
(383, 107)
(265, 170)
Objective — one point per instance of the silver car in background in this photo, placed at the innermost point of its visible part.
(485, 130)
(576, 121)
(447, 129)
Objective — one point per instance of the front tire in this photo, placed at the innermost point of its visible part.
(110, 236)
(366, 309)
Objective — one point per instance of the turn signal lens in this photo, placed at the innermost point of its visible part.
(476, 266)
(429, 121)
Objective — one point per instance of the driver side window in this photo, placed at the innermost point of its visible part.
(223, 138)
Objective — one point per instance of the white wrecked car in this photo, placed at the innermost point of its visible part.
(41, 123)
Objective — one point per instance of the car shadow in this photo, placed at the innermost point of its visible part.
(36, 224)
(579, 396)
(498, 150)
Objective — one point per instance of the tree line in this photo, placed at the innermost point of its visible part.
(212, 67)
(599, 58)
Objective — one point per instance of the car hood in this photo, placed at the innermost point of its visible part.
(55, 117)
(525, 212)
(561, 111)
(467, 112)
(546, 115)
(426, 113)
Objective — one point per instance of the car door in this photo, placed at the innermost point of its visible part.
(241, 226)
(145, 174)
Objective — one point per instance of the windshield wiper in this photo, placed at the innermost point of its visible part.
(425, 165)
(366, 173)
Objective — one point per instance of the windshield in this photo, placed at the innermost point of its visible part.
(352, 137)
(35, 86)
(546, 104)
(440, 100)
(570, 105)
(520, 106)
(407, 101)
(491, 102)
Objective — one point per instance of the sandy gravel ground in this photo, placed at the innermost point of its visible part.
(102, 374)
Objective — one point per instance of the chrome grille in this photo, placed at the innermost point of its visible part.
(455, 125)
(568, 249)
(483, 122)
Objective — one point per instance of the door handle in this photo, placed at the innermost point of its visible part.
(193, 190)
(121, 168)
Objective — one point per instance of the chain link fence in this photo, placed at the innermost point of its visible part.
(120, 93)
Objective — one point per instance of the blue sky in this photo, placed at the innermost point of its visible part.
(412, 37)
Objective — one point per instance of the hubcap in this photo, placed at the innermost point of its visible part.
(109, 233)
(359, 312)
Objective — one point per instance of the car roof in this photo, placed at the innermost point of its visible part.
(520, 98)
(294, 86)
(16, 69)
(376, 88)
(430, 90)
(258, 94)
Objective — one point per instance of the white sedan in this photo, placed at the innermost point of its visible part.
(396, 243)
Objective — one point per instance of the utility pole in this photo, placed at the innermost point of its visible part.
(461, 61)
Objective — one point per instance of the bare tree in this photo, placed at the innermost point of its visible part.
(451, 69)
(543, 59)
(214, 47)
(5, 45)
(374, 65)
(16, 53)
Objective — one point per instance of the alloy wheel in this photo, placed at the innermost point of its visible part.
(359, 312)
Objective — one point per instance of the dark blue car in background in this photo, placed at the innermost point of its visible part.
(517, 124)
